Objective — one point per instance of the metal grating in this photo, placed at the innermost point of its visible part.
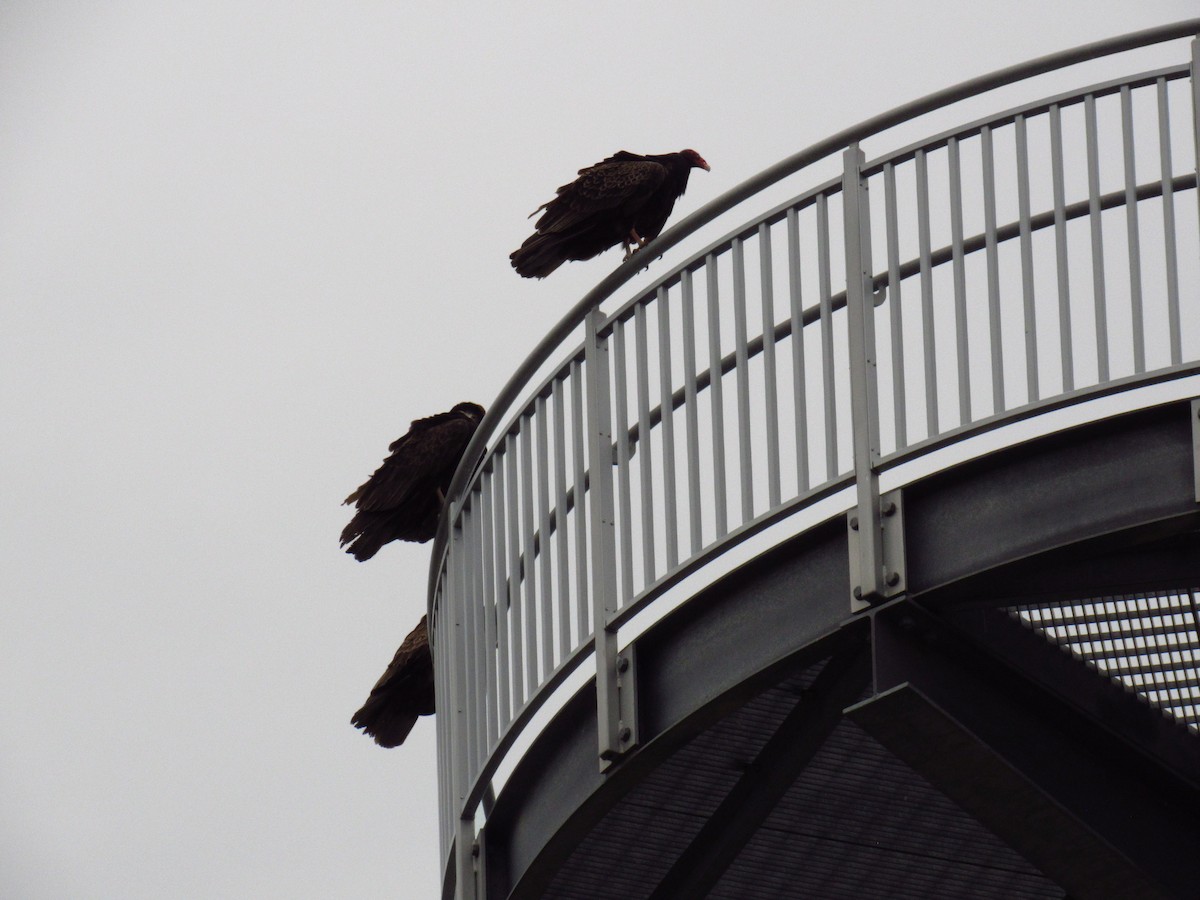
(1148, 643)
(857, 824)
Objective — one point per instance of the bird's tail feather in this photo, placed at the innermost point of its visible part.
(538, 256)
(361, 541)
(388, 727)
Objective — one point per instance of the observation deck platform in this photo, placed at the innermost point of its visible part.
(857, 552)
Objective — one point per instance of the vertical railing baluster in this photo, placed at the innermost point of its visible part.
(742, 366)
(515, 570)
(1027, 295)
(959, 269)
(561, 532)
(460, 742)
(441, 723)
(529, 555)
(465, 882)
(799, 382)
(993, 271)
(443, 657)
(928, 330)
(644, 444)
(830, 378)
(864, 396)
(479, 691)
(503, 600)
(1167, 171)
(603, 538)
(1099, 293)
(716, 395)
(766, 278)
(1131, 224)
(466, 655)
(583, 619)
(667, 427)
(691, 414)
(1060, 251)
(896, 312)
(459, 674)
(621, 415)
(490, 611)
(545, 556)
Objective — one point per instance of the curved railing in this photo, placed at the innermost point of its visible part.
(986, 274)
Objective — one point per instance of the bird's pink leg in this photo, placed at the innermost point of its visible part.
(637, 238)
(441, 497)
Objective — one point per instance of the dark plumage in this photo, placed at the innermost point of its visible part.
(624, 199)
(403, 499)
(404, 692)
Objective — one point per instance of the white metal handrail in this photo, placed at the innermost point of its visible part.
(697, 413)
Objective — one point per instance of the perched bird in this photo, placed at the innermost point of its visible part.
(403, 499)
(625, 199)
(404, 692)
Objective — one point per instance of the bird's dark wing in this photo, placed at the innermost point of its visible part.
(403, 693)
(419, 461)
(619, 156)
(601, 187)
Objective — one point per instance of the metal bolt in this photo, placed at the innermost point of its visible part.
(624, 734)
(622, 664)
(892, 579)
(888, 508)
(854, 523)
(858, 593)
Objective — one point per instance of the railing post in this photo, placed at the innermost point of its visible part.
(453, 645)
(873, 575)
(466, 853)
(615, 719)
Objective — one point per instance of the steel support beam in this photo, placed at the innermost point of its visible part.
(1161, 556)
(1196, 446)
(785, 755)
(1165, 741)
(1086, 808)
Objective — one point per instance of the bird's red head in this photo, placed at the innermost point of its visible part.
(696, 160)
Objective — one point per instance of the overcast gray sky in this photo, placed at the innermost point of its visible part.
(242, 245)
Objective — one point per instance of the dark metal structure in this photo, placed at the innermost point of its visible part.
(857, 555)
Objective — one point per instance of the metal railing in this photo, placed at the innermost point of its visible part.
(984, 275)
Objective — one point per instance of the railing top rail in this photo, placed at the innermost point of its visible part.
(748, 188)
(1033, 108)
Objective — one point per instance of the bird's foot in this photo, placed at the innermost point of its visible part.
(633, 243)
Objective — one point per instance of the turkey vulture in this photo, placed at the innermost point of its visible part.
(404, 692)
(403, 499)
(625, 199)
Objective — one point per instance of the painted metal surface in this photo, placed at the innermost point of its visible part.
(556, 817)
(591, 502)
